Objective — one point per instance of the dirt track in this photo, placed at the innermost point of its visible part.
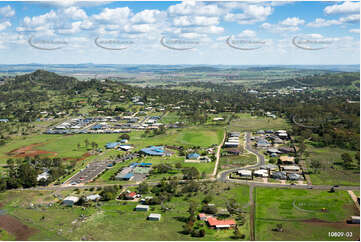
(15, 227)
(30, 151)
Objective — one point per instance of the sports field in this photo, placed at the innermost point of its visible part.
(298, 210)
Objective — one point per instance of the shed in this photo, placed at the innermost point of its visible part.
(70, 201)
(94, 197)
(355, 219)
(142, 207)
(154, 217)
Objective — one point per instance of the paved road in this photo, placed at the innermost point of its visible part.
(224, 176)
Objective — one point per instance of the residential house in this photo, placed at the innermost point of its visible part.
(221, 224)
(287, 159)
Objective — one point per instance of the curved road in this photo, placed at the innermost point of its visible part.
(224, 176)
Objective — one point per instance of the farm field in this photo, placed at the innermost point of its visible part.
(316, 212)
(110, 221)
(331, 157)
(247, 122)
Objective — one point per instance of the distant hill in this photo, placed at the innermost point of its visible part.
(341, 80)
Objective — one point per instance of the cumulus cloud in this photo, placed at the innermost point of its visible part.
(292, 21)
(247, 33)
(4, 25)
(357, 31)
(320, 22)
(7, 12)
(344, 8)
(250, 14)
(287, 25)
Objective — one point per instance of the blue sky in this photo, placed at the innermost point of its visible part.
(191, 32)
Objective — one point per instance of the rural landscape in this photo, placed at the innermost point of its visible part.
(175, 152)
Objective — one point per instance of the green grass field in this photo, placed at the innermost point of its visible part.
(296, 208)
(115, 220)
(246, 122)
(331, 156)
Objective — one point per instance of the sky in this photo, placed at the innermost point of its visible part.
(175, 32)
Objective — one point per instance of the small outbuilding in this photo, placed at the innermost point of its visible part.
(70, 201)
(154, 217)
(142, 207)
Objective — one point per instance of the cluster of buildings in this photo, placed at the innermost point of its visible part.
(107, 125)
(72, 200)
(232, 140)
(266, 138)
(134, 170)
(280, 172)
(197, 158)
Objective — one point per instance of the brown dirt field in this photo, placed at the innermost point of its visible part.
(15, 227)
(83, 157)
(333, 224)
(30, 151)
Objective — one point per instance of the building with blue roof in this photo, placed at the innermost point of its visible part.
(153, 151)
(193, 156)
(97, 127)
(112, 145)
(129, 176)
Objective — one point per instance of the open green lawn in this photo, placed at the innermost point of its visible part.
(115, 220)
(298, 208)
(331, 157)
(192, 136)
(246, 122)
(64, 146)
(233, 161)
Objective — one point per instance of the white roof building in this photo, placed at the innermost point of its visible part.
(244, 172)
(45, 175)
(262, 173)
(93, 197)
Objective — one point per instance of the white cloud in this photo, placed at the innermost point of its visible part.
(250, 14)
(115, 15)
(195, 20)
(147, 16)
(75, 13)
(320, 22)
(344, 8)
(288, 25)
(247, 33)
(194, 8)
(7, 12)
(4, 25)
(293, 21)
(350, 18)
(357, 31)
(276, 28)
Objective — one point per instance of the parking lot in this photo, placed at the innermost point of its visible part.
(92, 170)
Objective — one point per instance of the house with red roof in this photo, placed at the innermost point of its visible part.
(221, 224)
(131, 196)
